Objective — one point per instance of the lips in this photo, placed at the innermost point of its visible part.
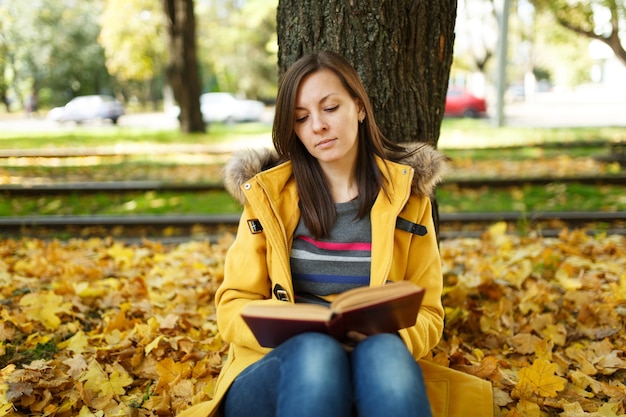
(325, 143)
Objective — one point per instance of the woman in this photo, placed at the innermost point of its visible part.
(332, 209)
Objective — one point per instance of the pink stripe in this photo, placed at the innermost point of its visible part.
(338, 246)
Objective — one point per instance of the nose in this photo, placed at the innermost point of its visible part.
(318, 122)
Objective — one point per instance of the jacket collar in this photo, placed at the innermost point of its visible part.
(429, 167)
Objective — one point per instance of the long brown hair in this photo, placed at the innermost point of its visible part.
(316, 203)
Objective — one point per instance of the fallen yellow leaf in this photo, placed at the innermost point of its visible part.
(539, 379)
(44, 307)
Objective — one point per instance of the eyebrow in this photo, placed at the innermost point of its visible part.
(323, 99)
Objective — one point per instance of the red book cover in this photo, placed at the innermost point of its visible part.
(369, 310)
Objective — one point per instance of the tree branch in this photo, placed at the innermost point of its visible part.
(613, 40)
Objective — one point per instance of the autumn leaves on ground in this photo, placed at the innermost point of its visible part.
(103, 328)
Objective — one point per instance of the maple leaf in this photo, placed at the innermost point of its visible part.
(539, 379)
(18, 389)
(611, 410)
(77, 343)
(119, 379)
(605, 410)
(5, 408)
(528, 409)
(501, 397)
(86, 412)
(621, 289)
(93, 377)
(573, 410)
(122, 255)
(525, 342)
(106, 386)
(571, 266)
(44, 307)
(152, 345)
(170, 372)
(77, 365)
(610, 363)
(5, 404)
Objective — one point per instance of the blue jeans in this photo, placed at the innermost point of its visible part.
(311, 375)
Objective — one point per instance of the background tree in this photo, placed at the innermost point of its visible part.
(603, 20)
(133, 37)
(5, 18)
(182, 68)
(550, 46)
(402, 50)
(237, 46)
(51, 46)
(477, 33)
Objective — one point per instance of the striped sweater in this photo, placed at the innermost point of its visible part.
(322, 268)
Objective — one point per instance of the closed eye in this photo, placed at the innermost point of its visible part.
(327, 109)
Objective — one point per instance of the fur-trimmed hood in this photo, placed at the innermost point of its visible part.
(430, 167)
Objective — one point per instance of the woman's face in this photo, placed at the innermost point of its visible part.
(327, 118)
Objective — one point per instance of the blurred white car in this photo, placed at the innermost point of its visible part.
(85, 108)
(225, 107)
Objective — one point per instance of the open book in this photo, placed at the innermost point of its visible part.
(369, 310)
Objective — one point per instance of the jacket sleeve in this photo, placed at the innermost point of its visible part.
(246, 280)
(417, 259)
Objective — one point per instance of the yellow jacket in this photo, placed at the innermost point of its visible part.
(258, 262)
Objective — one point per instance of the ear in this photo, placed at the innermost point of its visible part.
(361, 113)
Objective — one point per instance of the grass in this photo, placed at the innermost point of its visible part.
(94, 136)
(505, 144)
(479, 133)
(554, 197)
(137, 203)
(525, 152)
(455, 133)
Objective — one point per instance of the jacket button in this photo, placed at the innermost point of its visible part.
(404, 171)
(247, 186)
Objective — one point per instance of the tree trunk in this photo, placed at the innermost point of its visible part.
(402, 50)
(182, 69)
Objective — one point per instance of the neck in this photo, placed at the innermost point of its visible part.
(341, 182)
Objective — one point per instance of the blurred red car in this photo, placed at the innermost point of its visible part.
(462, 103)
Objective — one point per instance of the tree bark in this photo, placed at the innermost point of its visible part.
(182, 68)
(402, 50)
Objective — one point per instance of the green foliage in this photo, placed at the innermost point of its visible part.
(59, 48)
(133, 38)
(238, 46)
(555, 45)
(591, 19)
(579, 13)
(53, 44)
